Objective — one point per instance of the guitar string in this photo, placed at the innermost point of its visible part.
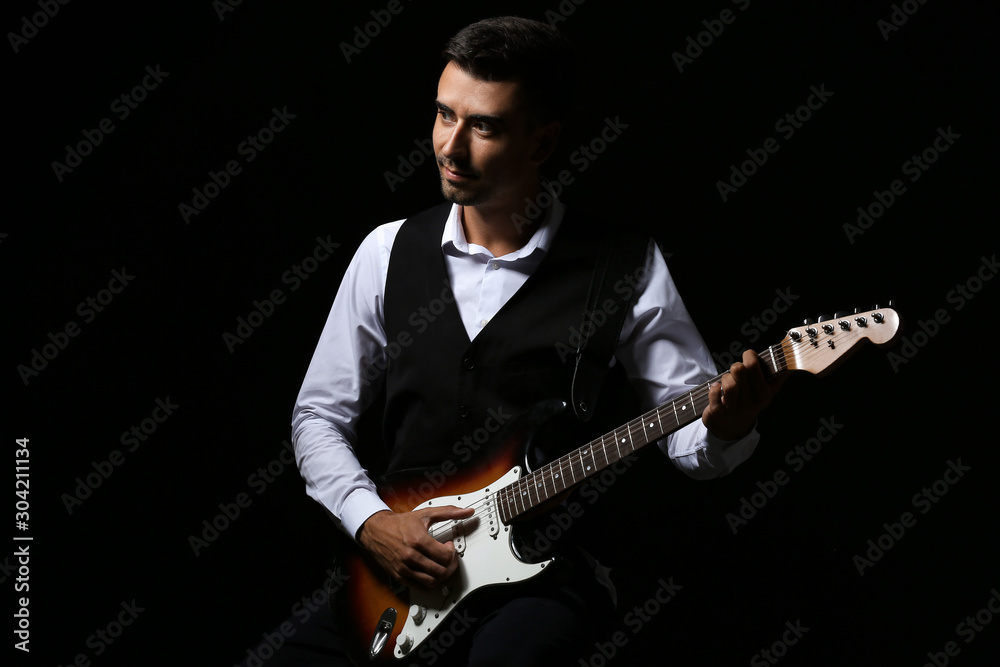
(522, 486)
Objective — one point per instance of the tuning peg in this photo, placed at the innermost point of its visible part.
(842, 313)
(823, 318)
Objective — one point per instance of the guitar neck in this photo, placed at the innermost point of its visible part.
(576, 467)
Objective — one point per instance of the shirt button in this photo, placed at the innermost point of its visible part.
(496, 265)
(483, 323)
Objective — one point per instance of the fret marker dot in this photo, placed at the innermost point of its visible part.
(684, 407)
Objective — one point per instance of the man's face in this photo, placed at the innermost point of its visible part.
(485, 151)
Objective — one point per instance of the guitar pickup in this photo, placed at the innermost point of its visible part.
(492, 516)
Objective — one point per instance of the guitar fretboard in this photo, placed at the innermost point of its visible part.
(577, 466)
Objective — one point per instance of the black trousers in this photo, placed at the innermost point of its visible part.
(547, 621)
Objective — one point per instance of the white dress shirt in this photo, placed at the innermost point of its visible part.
(660, 349)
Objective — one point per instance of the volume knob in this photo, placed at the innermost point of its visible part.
(417, 613)
(404, 642)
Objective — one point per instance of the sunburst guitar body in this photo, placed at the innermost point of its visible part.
(384, 622)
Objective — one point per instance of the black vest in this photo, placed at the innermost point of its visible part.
(442, 388)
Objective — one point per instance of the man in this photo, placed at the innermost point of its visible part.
(465, 306)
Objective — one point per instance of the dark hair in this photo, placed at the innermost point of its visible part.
(511, 48)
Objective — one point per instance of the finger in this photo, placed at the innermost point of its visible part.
(714, 397)
(430, 571)
(445, 513)
(731, 388)
(427, 562)
(429, 543)
(433, 515)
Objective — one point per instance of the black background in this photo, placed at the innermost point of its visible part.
(324, 176)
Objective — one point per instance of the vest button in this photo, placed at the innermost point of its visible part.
(464, 411)
(468, 363)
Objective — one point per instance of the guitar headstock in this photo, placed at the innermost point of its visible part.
(817, 347)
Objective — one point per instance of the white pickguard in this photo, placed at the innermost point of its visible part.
(486, 559)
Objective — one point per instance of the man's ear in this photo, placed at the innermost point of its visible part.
(546, 137)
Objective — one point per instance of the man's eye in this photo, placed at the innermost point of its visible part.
(445, 115)
(484, 128)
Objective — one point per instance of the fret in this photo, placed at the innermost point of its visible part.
(522, 493)
(532, 490)
(652, 425)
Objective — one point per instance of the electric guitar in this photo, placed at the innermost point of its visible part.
(384, 621)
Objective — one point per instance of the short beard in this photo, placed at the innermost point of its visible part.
(462, 198)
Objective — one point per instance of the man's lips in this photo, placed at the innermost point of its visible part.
(454, 175)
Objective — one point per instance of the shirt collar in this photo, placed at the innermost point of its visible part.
(453, 237)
